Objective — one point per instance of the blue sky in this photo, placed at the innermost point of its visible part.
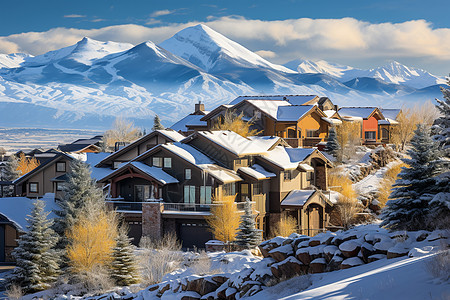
(18, 19)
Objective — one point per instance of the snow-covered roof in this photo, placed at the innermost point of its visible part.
(329, 113)
(288, 158)
(236, 143)
(256, 171)
(293, 113)
(390, 113)
(222, 174)
(356, 112)
(154, 172)
(297, 197)
(293, 99)
(171, 134)
(17, 209)
(265, 142)
(188, 153)
(332, 121)
(92, 160)
(387, 121)
(189, 120)
(42, 166)
(269, 107)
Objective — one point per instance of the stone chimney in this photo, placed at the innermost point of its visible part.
(199, 106)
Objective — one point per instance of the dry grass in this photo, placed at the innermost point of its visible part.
(439, 265)
(389, 178)
(14, 292)
(285, 227)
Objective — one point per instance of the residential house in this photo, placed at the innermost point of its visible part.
(368, 117)
(171, 186)
(82, 145)
(389, 122)
(192, 122)
(296, 118)
(48, 177)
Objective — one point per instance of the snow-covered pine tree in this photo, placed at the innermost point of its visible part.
(408, 209)
(11, 172)
(79, 188)
(124, 265)
(248, 236)
(441, 126)
(157, 124)
(332, 145)
(37, 263)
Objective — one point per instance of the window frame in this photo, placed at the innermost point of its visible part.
(258, 188)
(229, 189)
(37, 187)
(167, 162)
(368, 133)
(158, 160)
(287, 175)
(312, 133)
(60, 163)
(186, 172)
(190, 191)
(205, 194)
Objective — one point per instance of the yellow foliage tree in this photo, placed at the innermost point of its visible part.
(285, 227)
(348, 135)
(91, 239)
(121, 131)
(224, 219)
(26, 164)
(389, 178)
(235, 124)
(348, 206)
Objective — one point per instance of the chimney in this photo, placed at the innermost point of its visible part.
(199, 106)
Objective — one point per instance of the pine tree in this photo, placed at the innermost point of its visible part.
(409, 205)
(11, 173)
(157, 124)
(79, 188)
(441, 127)
(124, 265)
(248, 236)
(333, 146)
(37, 261)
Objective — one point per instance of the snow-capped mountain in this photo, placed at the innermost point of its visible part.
(90, 83)
(393, 72)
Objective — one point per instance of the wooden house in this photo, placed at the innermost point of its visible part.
(368, 117)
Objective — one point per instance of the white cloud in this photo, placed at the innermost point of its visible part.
(74, 16)
(346, 40)
(266, 53)
(159, 13)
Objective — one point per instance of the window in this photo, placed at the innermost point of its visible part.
(59, 186)
(312, 133)
(142, 192)
(189, 194)
(229, 189)
(167, 162)
(34, 187)
(244, 191)
(60, 167)
(385, 133)
(157, 162)
(370, 135)
(309, 176)
(288, 175)
(187, 174)
(205, 194)
(258, 188)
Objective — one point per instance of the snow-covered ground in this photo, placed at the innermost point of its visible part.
(387, 279)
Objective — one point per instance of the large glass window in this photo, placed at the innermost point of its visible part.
(142, 193)
(229, 189)
(205, 194)
(167, 162)
(189, 194)
(312, 133)
(370, 135)
(157, 162)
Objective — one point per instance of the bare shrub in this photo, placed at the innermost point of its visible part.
(285, 227)
(202, 265)
(14, 291)
(159, 257)
(439, 265)
(96, 280)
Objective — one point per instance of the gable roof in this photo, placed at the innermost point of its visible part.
(257, 172)
(293, 113)
(215, 111)
(76, 147)
(189, 120)
(292, 99)
(298, 198)
(42, 166)
(390, 113)
(358, 112)
(291, 158)
(169, 134)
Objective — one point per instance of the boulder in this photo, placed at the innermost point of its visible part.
(287, 241)
(163, 288)
(397, 251)
(302, 244)
(220, 279)
(190, 296)
(349, 236)
(366, 251)
(302, 255)
(351, 262)
(210, 296)
(288, 268)
(195, 285)
(375, 257)
(329, 251)
(281, 253)
(350, 248)
(230, 293)
(313, 243)
(383, 246)
(298, 240)
(335, 263)
(317, 266)
(336, 241)
(153, 287)
(247, 286)
(221, 291)
(421, 236)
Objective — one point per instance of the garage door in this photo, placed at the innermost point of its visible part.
(193, 233)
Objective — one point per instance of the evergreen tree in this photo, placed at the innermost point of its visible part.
(79, 188)
(333, 146)
(37, 261)
(11, 173)
(408, 208)
(248, 236)
(124, 264)
(157, 124)
(441, 127)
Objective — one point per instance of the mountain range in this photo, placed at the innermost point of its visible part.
(88, 84)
